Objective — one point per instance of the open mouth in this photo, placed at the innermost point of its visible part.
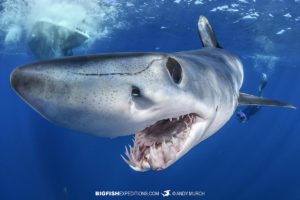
(158, 145)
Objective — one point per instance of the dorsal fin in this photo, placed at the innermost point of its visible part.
(206, 33)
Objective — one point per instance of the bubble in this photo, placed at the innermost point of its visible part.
(94, 18)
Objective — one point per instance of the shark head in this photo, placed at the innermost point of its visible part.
(146, 94)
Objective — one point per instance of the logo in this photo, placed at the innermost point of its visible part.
(166, 193)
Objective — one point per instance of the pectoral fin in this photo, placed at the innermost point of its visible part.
(247, 99)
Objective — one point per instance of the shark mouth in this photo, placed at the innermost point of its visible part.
(158, 146)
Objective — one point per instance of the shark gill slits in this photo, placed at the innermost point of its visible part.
(135, 91)
(174, 69)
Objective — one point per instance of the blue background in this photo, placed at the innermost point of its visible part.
(256, 160)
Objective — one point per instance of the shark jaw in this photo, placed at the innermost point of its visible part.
(161, 144)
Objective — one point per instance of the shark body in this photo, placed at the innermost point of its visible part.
(170, 101)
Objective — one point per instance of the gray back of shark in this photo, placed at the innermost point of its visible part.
(170, 101)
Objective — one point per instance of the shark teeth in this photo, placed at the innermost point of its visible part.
(156, 152)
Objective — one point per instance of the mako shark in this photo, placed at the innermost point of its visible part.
(171, 101)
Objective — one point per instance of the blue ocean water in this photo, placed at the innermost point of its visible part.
(255, 160)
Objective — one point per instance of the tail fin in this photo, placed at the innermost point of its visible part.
(247, 99)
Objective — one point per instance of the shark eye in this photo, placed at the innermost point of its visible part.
(135, 91)
(174, 69)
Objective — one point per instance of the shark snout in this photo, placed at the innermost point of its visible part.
(38, 86)
(26, 82)
(15, 78)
